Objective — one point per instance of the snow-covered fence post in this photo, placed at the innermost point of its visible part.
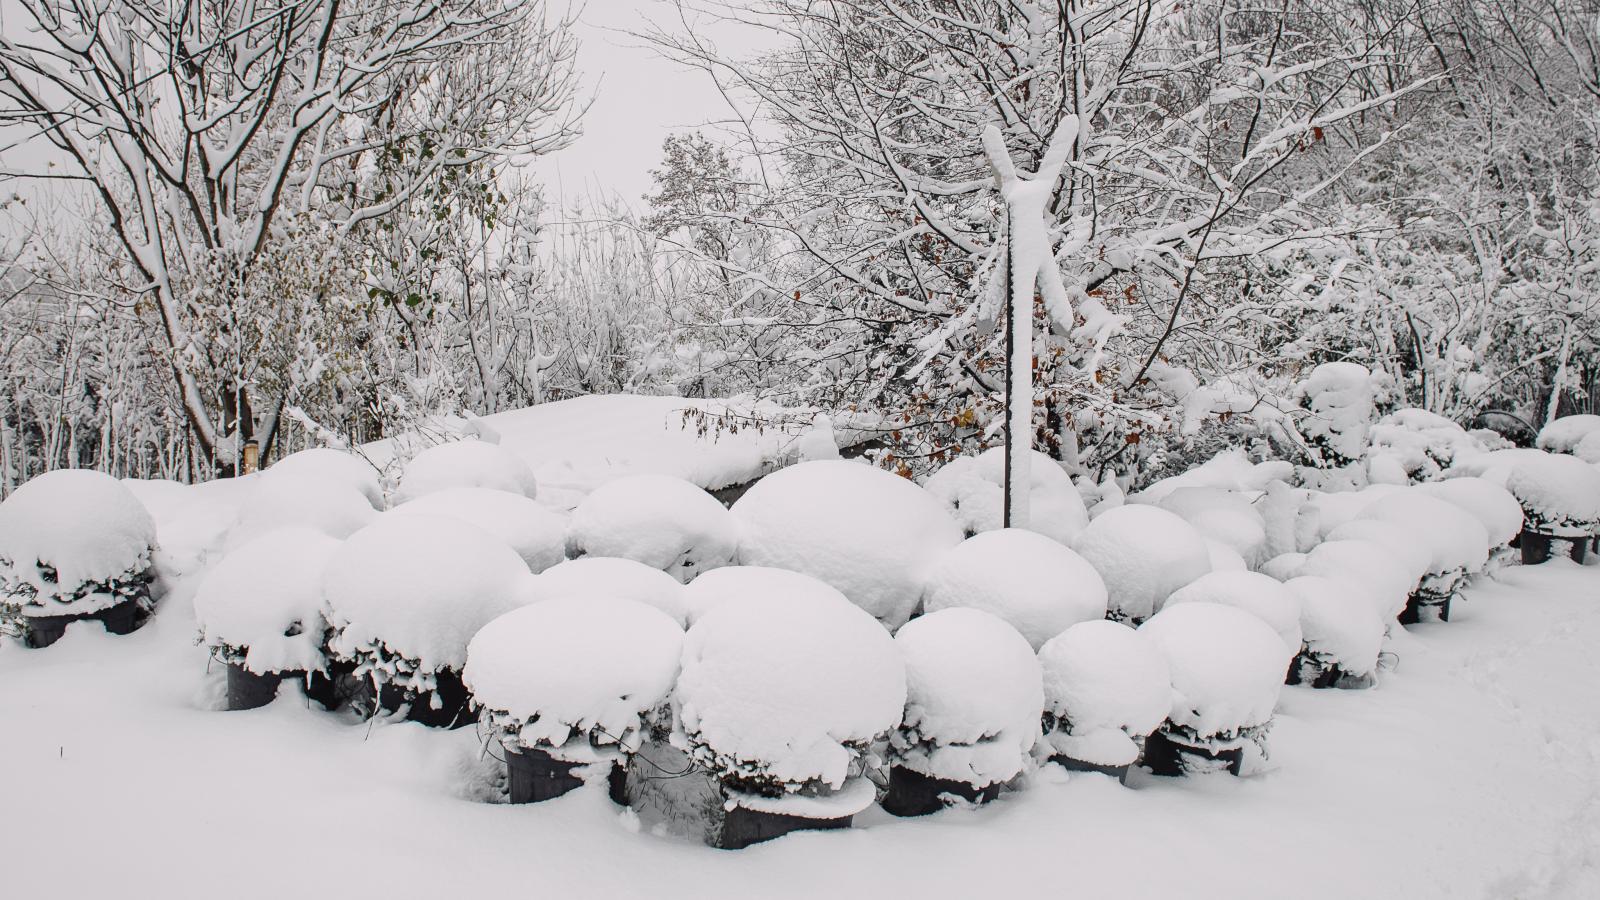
(1029, 263)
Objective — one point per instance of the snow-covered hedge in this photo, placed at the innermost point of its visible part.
(971, 486)
(1495, 508)
(623, 578)
(579, 677)
(1028, 580)
(261, 606)
(664, 522)
(537, 533)
(1106, 688)
(868, 533)
(466, 463)
(1143, 554)
(73, 542)
(1388, 579)
(1226, 667)
(973, 698)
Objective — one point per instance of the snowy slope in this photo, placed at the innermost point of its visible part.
(1472, 770)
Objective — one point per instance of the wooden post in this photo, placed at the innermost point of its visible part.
(249, 461)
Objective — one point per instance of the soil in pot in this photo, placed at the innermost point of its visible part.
(123, 618)
(915, 794)
(1165, 756)
(535, 776)
(1120, 773)
(742, 827)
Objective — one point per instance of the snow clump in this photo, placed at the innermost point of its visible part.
(973, 698)
(1226, 668)
(1143, 553)
(285, 501)
(664, 522)
(260, 607)
(536, 532)
(1257, 594)
(1495, 508)
(1221, 515)
(1560, 495)
(1388, 580)
(1106, 688)
(1422, 444)
(624, 578)
(871, 534)
(329, 466)
(1342, 630)
(468, 463)
(1342, 398)
(735, 584)
(1026, 579)
(1564, 434)
(972, 487)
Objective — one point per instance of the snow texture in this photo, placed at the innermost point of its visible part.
(1143, 553)
(574, 674)
(1495, 508)
(1415, 555)
(1221, 515)
(971, 486)
(1342, 398)
(1226, 666)
(788, 691)
(625, 578)
(1259, 595)
(1560, 494)
(42, 524)
(973, 698)
(331, 507)
(1284, 566)
(1456, 540)
(1026, 579)
(329, 466)
(261, 605)
(1107, 687)
(466, 463)
(1334, 508)
(1224, 558)
(420, 587)
(1230, 470)
(537, 533)
(1588, 449)
(1388, 579)
(868, 533)
(664, 522)
(1564, 434)
(1420, 443)
(735, 584)
(1339, 622)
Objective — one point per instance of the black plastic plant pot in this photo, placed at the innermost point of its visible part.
(915, 794)
(1072, 764)
(250, 690)
(1308, 671)
(334, 687)
(1164, 756)
(449, 705)
(742, 827)
(535, 776)
(1538, 548)
(1425, 607)
(123, 618)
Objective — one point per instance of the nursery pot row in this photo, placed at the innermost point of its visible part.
(1165, 756)
(123, 618)
(912, 793)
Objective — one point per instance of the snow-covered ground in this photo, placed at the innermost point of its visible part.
(1472, 770)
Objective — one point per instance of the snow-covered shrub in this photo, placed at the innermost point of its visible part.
(1413, 553)
(972, 487)
(286, 501)
(1260, 595)
(330, 467)
(1224, 558)
(1334, 508)
(1343, 633)
(1284, 566)
(1421, 444)
(1226, 667)
(1387, 577)
(1143, 554)
(1106, 687)
(1564, 434)
(624, 578)
(1559, 494)
(578, 677)
(1028, 580)
(1495, 508)
(537, 533)
(1588, 449)
(973, 698)
(1457, 543)
(868, 533)
(735, 584)
(406, 594)
(1225, 516)
(73, 542)
(664, 522)
(260, 607)
(467, 463)
(1342, 400)
(780, 698)
(1231, 470)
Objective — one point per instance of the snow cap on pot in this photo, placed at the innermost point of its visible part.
(260, 607)
(971, 487)
(736, 584)
(466, 463)
(1388, 580)
(1564, 434)
(871, 534)
(1259, 595)
(624, 578)
(1560, 495)
(663, 522)
(534, 531)
(329, 466)
(1342, 630)
(1495, 508)
(1143, 554)
(1106, 688)
(1031, 582)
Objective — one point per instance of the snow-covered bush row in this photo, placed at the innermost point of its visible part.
(1143, 554)
(261, 606)
(1026, 579)
(466, 463)
(973, 698)
(1106, 688)
(73, 542)
(1410, 445)
(536, 532)
(579, 676)
(1228, 517)
(971, 486)
(664, 522)
(871, 534)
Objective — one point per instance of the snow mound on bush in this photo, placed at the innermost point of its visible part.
(1422, 443)
(1224, 558)
(1563, 435)
(787, 690)
(467, 463)
(574, 673)
(868, 533)
(973, 697)
(1026, 579)
(420, 586)
(1334, 508)
(1495, 508)
(85, 525)
(1230, 470)
(1588, 449)
(1284, 566)
(1257, 594)
(971, 486)
(664, 522)
(537, 533)
(332, 508)
(1339, 622)
(1559, 494)
(1456, 539)
(1226, 667)
(1386, 576)
(1221, 515)
(328, 466)
(1343, 399)
(265, 598)
(735, 584)
(1108, 687)
(1414, 554)
(1143, 553)
(625, 578)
